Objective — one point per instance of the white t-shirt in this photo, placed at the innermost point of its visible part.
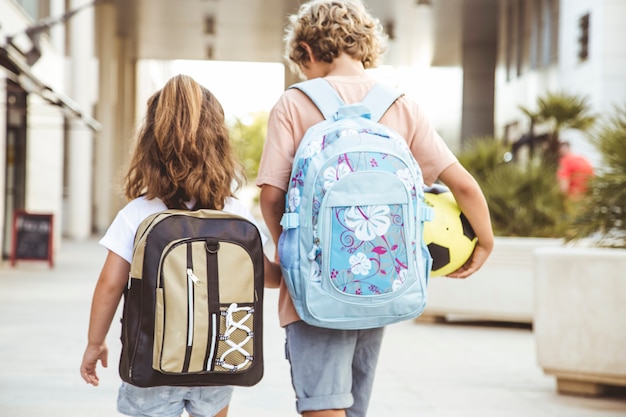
(120, 236)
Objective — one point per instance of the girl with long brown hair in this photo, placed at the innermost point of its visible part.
(183, 159)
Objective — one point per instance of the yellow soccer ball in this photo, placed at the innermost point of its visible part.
(449, 236)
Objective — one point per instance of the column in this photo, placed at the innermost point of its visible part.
(479, 63)
(81, 88)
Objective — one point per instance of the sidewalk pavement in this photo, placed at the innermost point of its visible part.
(458, 369)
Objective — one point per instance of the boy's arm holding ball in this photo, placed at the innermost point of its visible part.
(472, 203)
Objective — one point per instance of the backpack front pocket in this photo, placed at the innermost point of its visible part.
(195, 331)
(366, 245)
(183, 322)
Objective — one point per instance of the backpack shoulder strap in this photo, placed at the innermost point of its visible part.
(322, 94)
(379, 99)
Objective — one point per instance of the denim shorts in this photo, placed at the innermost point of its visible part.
(171, 401)
(332, 369)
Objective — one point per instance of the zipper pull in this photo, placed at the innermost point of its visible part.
(129, 280)
(313, 253)
(192, 276)
(316, 245)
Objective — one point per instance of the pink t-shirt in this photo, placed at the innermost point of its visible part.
(294, 113)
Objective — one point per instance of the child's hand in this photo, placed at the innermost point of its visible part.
(477, 260)
(273, 274)
(93, 353)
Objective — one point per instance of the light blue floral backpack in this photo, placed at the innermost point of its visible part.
(351, 249)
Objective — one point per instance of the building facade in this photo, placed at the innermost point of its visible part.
(40, 125)
(69, 88)
(570, 46)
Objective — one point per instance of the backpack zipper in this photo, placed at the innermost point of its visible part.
(192, 279)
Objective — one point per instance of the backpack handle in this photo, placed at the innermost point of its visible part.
(323, 95)
(352, 110)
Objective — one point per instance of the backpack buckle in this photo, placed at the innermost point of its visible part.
(428, 213)
(290, 221)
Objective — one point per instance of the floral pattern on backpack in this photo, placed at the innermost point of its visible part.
(367, 246)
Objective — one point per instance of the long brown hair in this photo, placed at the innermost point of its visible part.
(183, 152)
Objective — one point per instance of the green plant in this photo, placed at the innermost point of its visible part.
(524, 199)
(523, 196)
(603, 211)
(560, 111)
(248, 136)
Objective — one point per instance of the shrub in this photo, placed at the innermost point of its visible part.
(524, 199)
(248, 136)
(603, 211)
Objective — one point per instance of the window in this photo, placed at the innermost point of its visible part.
(37, 9)
(209, 25)
(518, 38)
(544, 33)
(511, 133)
(545, 24)
(530, 33)
(583, 38)
(523, 37)
(510, 40)
(554, 30)
(535, 33)
(390, 30)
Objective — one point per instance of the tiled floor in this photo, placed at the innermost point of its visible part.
(458, 369)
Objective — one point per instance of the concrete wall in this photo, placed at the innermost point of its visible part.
(3, 223)
(44, 166)
(580, 325)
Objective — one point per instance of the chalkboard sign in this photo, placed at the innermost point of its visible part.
(32, 237)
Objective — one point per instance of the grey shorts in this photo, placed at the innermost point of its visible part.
(332, 369)
(171, 401)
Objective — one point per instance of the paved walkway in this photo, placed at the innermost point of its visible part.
(426, 370)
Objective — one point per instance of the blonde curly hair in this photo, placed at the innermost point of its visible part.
(332, 27)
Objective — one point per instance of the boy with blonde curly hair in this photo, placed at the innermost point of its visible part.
(333, 370)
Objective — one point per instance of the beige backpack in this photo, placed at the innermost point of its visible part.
(193, 310)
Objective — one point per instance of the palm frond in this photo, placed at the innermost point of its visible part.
(603, 216)
(563, 111)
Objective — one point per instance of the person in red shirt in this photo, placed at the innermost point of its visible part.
(574, 172)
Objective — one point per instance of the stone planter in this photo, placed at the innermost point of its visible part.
(502, 290)
(580, 317)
